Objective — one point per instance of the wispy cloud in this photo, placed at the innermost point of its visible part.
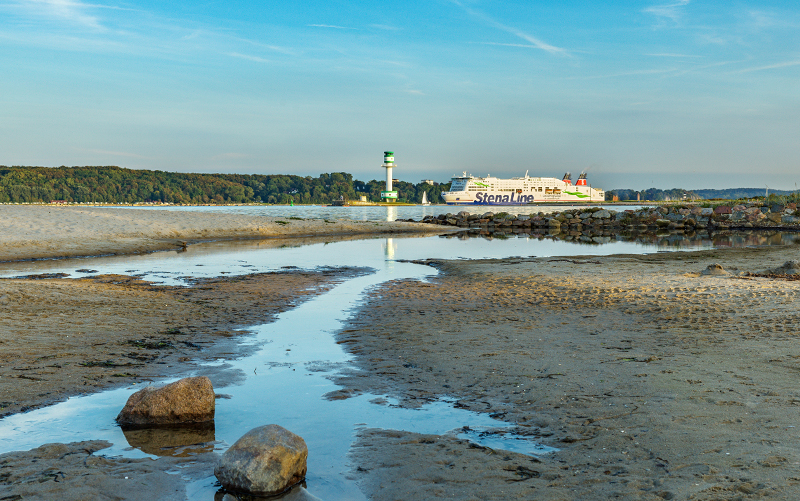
(522, 45)
(248, 57)
(672, 10)
(66, 10)
(330, 26)
(535, 42)
(785, 64)
(415, 92)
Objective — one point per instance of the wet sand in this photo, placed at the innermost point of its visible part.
(51, 231)
(654, 381)
(64, 337)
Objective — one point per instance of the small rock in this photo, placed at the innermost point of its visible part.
(189, 400)
(791, 267)
(714, 269)
(266, 461)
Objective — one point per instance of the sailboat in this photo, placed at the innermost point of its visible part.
(425, 198)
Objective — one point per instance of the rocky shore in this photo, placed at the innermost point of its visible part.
(595, 220)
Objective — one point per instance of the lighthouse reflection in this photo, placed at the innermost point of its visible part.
(391, 213)
(389, 249)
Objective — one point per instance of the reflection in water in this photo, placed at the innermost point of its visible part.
(662, 239)
(390, 247)
(391, 213)
(183, 441)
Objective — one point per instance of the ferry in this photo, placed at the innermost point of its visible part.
(470, 190)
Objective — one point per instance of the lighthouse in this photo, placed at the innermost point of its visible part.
(388, 195)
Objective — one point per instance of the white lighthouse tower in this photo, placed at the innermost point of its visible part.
(388, 195)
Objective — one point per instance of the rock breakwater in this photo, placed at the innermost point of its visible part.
(596, 221)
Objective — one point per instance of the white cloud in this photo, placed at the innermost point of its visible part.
(671, 10)
(785, 64)
(330, 26)
(248, 57)
(66, 10)
(535, 42)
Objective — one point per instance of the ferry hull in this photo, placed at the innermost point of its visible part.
(471, 190)
(464, 198)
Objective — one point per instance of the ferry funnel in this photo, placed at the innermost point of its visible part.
(567, 178)
(581, 180)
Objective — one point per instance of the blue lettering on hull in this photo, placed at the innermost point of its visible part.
(511, 199)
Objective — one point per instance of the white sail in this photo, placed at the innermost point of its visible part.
(425, 198)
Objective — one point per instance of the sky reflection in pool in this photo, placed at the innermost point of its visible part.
(212, 259)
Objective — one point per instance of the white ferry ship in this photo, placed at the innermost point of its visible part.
(468, 189)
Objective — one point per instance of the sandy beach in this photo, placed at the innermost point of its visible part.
(654, 377)
(53, 231)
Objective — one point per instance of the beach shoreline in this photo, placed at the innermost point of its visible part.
(52, 231)
(655, 376)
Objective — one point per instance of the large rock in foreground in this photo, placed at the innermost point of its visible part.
(266, 461)
(189, 400)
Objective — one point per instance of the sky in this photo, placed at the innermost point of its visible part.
(676, 93)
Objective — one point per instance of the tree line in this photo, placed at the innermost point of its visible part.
(111, 184)
(678, 194)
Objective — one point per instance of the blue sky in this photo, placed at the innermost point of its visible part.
(681, 93)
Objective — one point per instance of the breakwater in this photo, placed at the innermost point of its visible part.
(598, 222)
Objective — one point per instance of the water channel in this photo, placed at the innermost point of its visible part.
(284, 379)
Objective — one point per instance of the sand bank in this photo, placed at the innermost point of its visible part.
(36, 231)
(65, 337)
(653, 380)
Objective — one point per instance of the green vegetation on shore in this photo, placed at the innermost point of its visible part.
(679, 194)
(119, 185)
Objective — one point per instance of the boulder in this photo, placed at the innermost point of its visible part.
(790, 220)
(722, 209)
(189, 400)
(791, 267)
(601, 214)
(714, 270)
(266, 461)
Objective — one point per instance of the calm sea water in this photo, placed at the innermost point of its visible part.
(373, 213)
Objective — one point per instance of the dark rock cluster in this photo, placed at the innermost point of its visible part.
(596, 220)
